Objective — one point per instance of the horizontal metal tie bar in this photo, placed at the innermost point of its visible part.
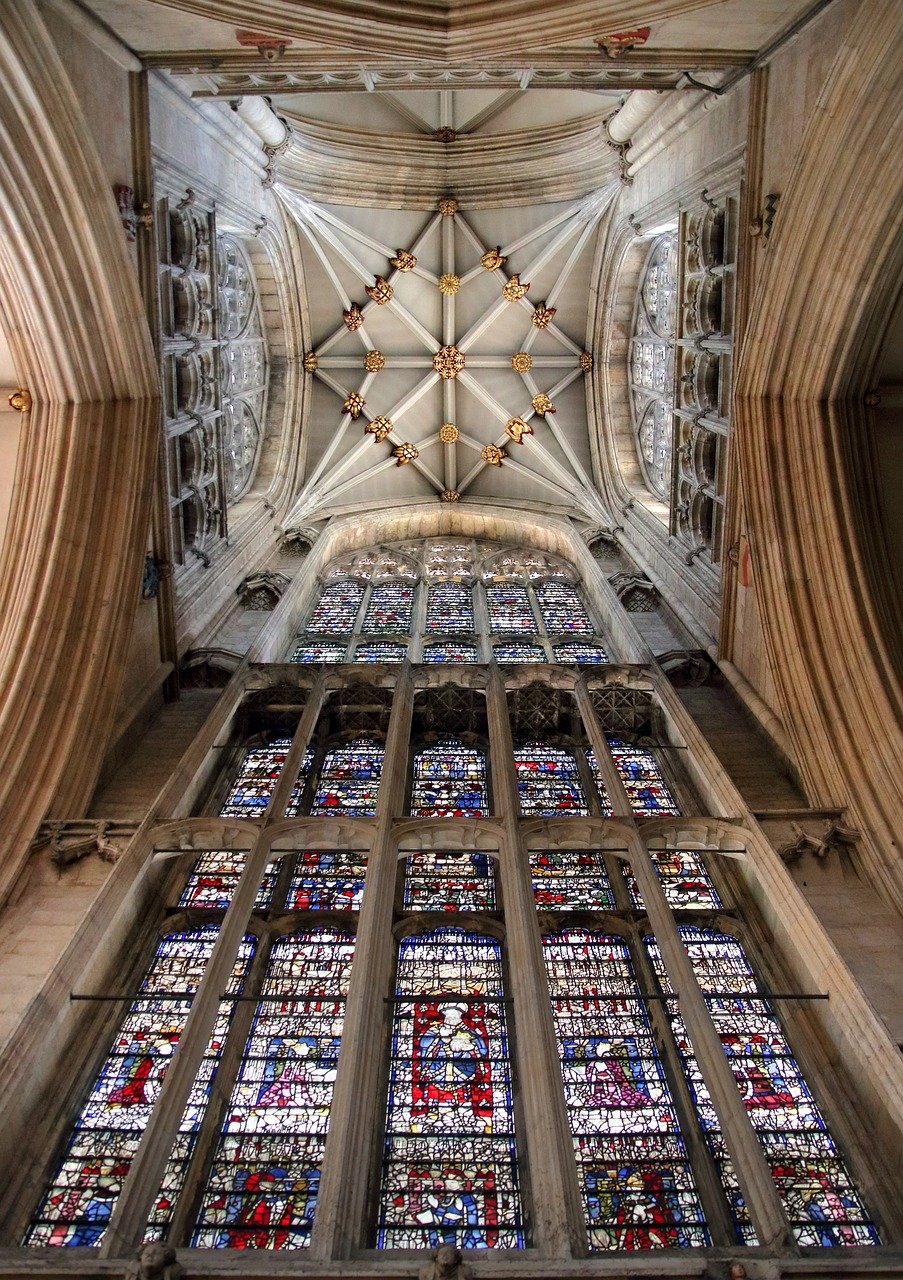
(451, 998)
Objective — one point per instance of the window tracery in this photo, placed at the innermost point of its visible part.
(652, 364)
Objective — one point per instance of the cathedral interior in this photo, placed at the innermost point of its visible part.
(451, 580)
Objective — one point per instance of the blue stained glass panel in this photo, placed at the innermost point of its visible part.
(515, 651)
(647, 791)
(79, 1202)
(389, 610)
(449, 882)
(685, 881)
(819, 1196)
(449, 781)
(262, 1190)
(450, 609)
(327, 880)
(638, 1187)
(509, 610)
(581, 651)
(548, 782)
(450, 651)
(380, 651)
(571, 880)
(450, 1163)
(563, 608)
(256, 781)
(349, 779)
(318, 651)
(337, 608)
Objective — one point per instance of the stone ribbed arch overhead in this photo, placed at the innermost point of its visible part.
(804, 367)
(69, 577)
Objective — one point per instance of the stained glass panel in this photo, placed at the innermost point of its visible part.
(256, 781)
(563, 608)
(262, 1190)
(318, 651)
(577, 651)
(380, 651)
(571, 880)
(449, 651)
(449, 781)
(638, 1187)
(337, 608)
(515, 651)
(548, 782)
(509, 610)
(684, 879)
(450, 608)
(215, 878)
(449, 882)
(450, 1165)
(78, 1204)
(389, 610)
(327, 880)
(818, 1194)
(644, 783)
(349, 779)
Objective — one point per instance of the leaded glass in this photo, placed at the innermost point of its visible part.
(685, 881)
(215, 878)
(449, 781)
(262, 1189)
(515, 651)
(818, 1194)
(327, 880)
(389, 610)
(646, 788)
(380, 651)
(652, 365)
(450, 608)
(581, 651)
(449, 651)
(349, 779)
(337, 608)
(449, 882)
(318, 651)
(571, 880)
(509, 610)
(563, 609)
(548, 782)
(256, 781)
(79, 1202)
(638, 1187)
(450, 1164)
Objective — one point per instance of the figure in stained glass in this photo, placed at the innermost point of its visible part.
(548, 782)
(509, 610)
(580, 651)
(647, 791)
(450, 608)
(449, 882)
(684, 879)
(449, 781)
(260, 769)
(563, 609)
(571, 880)
(389, 609)
(517, 651)
(449, 651)
(450, 1061)
(349, 779)
(337, 609)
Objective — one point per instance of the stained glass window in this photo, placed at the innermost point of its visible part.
(509, 610)
(337, 608)
(450, 651)
(389, 610)
(256, 781)
(571, 880)
(318, 651)
(563, 609)
(327, 880)
(638, 1188)
(293, 808)
(215, 878)
(349, 779)
(380, 651)
(449, 781)
(449, 882)
(651, 365)
(450, 1165)
(646, 788)
(818, 1194)
(77, 1206)
(548, 782)
(450, 608)
(684, 878)
(518, 652)
(581, 651)
(262, 1190)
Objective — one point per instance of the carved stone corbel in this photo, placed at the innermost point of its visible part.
(836, 839)
(636, 592)
(447, 1264)
(155, 1261)
(299, 539)
(262, 590)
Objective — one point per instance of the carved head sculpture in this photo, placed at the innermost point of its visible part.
(155, 1261)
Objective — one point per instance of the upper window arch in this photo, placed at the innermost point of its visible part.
(651, 364)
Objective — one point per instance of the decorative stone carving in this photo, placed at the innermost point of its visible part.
(542, 403)
(405, 453)
(516, 429)
(445, 134)
(208, 668)
(125, 203)
(20, 400)
(586, 361)
(380, 427)
(311, 363)
(598, 533)
(449, 284)
(522, 362)
(448, 433)
(150, 579)
(299, 539)
(380, 291)
(836, 839)
(513, 290)
(71, 841)
(448, 206)
(449, 495)
(448, 362)
(403, 261)
(686, 668)
(374, 361)
(620, 42)
(636, 593)
(493, 259)
(447, 1264)
(271, 48)
(543, 315)
(492, 455)
(354, 405)
(155, 1261)
(762, 224)
(353, 318)
(262, 590)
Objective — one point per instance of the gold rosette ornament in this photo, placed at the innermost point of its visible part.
(448, 206)
(405, 453)
(586, 361)
(354, 405)
(448, 433)
(514, 290)
(403, 261)
(522, 362)
(516, 429)
(380, 427)
(492, 455)
(449, 284)
(353, 317)
(380, 291)
(449, 495)
(493, 259)
(448, 362)
(543, 315)
(374, 361)
(542, 404)
(311, 363)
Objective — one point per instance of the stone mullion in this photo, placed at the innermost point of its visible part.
(481, 621)
(358, 1101)
(552, 1186)
(132, 1210)
(418, 621)
(611, 779)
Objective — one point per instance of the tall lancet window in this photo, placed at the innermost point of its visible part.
(651, 367)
